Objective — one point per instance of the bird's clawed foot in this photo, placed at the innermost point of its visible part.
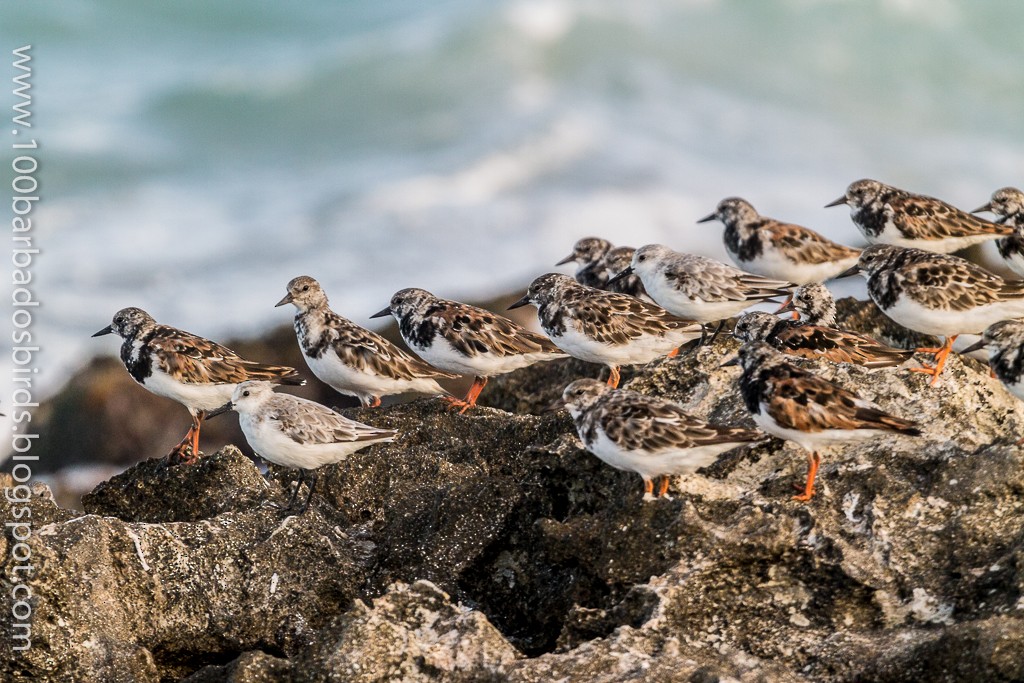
(457, 403)
(470, 401)
(187, 451)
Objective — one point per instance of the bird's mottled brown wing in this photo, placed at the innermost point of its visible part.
(805, 245)
(638, 422)
(838, 346)
(311, 423)
(956, 284)
(367, 350)
(614, 318)
(929, 218)
(473, 331)
(192, 359)
(808, 403)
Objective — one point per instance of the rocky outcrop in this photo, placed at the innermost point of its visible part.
(490, 547)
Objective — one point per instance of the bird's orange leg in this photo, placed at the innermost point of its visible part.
(941, 354)
(673, 353)
(470, 401)
(187, 450)
(813, 461)
(374, 402)
(198, 422)
(648, 488)
(663, 486)
(613, 377)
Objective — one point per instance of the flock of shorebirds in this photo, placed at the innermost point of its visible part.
(629, 307)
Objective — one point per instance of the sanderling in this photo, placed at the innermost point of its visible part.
(293, 432)
(699, 288)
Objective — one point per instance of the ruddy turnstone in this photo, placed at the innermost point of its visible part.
(797, 406)
(605, 327)
(589, 253)
(293, 432)
(814, 304)
(465, 339)
(195, 372)
(616, 261)
(1008, 205)
(351, 359)
(817, 341)
(647, 435)
(1005, 343)
(778, 250)
(938, 294)
(888, 215)
(699, 288)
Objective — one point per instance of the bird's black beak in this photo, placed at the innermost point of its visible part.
(382, 312)
(556, 405)
(841, 200)
(983, 209)
(730, 362)
(852, 270)
(521, 302)
(626, 273)
(288, 298)
(786, 307)
(218, 411)
(568, 259)
(710, 217)
(109, 329)
(976, 346)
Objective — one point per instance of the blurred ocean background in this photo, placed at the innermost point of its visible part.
(196, 156)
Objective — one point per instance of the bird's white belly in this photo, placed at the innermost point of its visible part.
(652, 464)
(348, 380)
(643, 349)
(811, 441)
(275, 446)
(946, 245)
(773, 263)
(441, 354)
(204, 397)
(943, 322)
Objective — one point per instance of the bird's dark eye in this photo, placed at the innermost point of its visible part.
(305, 288)
(245, 393)
(642, 258)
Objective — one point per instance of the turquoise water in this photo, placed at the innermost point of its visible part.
(198, 155)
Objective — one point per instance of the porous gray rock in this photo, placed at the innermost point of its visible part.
(489, 546)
